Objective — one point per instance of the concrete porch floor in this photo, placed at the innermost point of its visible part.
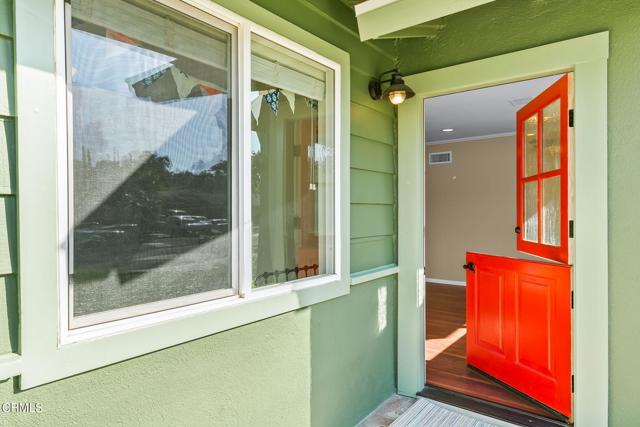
(387, 412)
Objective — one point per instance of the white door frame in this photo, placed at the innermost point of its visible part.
(587, 58)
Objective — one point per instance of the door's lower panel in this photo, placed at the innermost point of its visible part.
(519, 326)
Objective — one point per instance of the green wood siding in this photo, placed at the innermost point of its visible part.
(373, 183)
(371, 220)
(8, 261)
(369, 123)
(6, 18)
(371, 187)
(372, 252)
(7, 235)
(369, 154)
(7, 156)
(8, 315)
(7, 101)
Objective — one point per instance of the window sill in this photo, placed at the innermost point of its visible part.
(96, 348)
(373, 274)
(277, 295)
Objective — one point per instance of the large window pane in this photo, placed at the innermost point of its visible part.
(291, 165)
(150, 158)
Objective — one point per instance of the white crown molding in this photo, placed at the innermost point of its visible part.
(471, 138)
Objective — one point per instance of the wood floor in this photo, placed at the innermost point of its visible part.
(446, 352)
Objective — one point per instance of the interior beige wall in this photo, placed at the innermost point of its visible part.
(470, 204)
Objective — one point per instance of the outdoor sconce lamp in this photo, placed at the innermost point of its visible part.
(397, 91)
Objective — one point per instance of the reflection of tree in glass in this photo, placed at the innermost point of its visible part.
(155, 213)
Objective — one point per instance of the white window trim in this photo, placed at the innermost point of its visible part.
(130, 317)
(50, 350)
(74, 329)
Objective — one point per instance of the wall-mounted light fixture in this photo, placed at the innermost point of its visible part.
(397, 91)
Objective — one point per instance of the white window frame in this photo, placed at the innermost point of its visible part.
(52, 351)
(121, 319)
(72, 327)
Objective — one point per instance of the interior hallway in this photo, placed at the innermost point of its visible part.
(445, 351)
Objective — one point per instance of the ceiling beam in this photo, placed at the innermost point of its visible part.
(377, 18)
(417, 31)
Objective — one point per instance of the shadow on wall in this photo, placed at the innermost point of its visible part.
(353, 353)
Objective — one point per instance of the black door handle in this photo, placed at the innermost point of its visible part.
(470, 266)
(517, 230)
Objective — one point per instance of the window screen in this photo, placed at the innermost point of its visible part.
(149, 160)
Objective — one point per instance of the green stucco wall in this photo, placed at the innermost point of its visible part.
(326, 365)
(509, 25)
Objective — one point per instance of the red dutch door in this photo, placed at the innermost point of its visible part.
(519, 311)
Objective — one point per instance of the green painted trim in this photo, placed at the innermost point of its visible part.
(591, 272)
(38, 136)
(587, 57)
(411, 371)
(401, 14)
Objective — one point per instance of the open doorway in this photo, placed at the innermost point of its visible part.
(481, 213)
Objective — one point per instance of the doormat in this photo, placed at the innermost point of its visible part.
(426, 413)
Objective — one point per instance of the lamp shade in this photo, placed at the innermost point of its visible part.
(398, 92)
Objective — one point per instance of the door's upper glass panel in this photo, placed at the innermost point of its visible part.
(149, 159)
(544, 196)
(551, 215)
(531, 146)
(551, 137)
(530, 219)
(291, 165)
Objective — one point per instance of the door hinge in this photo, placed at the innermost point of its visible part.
(571, 299)
(573, 388)
(571, 114)
(571, 229)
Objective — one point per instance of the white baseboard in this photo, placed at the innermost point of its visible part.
(445, 281)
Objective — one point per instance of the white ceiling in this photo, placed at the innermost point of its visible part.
(481, 113)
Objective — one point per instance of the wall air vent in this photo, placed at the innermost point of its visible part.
(441, 157)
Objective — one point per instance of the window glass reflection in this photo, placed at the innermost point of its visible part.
(291, 165)
(150, 157)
